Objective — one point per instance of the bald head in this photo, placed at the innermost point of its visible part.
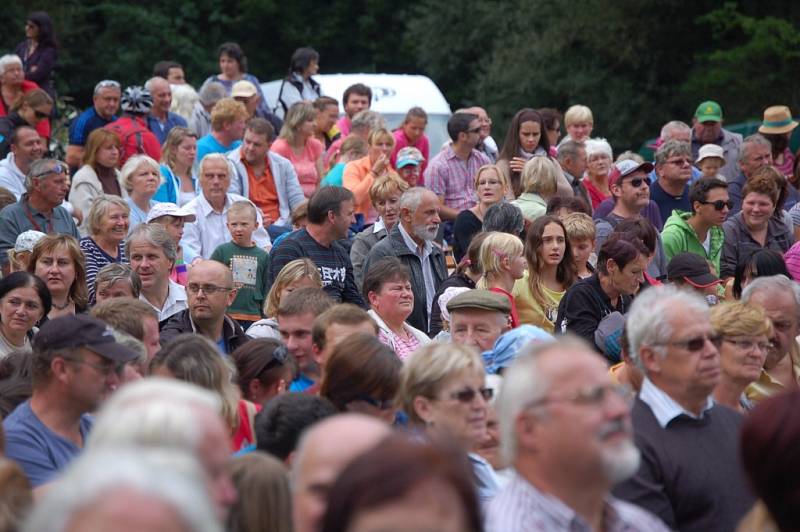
(203, 268)
(210, 292)
(161, 93)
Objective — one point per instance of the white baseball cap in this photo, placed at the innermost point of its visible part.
(169, 209)
(710, 150)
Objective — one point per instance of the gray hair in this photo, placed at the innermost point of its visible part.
(368, 120)
(772, 285)
(148, 85)
(116, 271)
(598, 146)
(211, 92)
(8, 60)
(675, 126)
(213, 157)
(155, 235)
(504, 217)
(672, 148)
(183, 99)
(168, 476)
(569, 150)
(648, 321)
(100, 206)
(754, 139)
(133, 164)
(412, 197)
(40, 170)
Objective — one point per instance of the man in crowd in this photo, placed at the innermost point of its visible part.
(26, 147)
(572, 158)
(76, 365)
(630, 191)
(131, 127)
(330, 214)
(170, 71)
(160, 120)
(707, 129)
(699, 231)
(39, 208)
(227, 127)
(690, 474)
(680, 131)
(266, 178)
(486, 144)
(284, 418)
(209, 230)
(356, 98)
(210, 291)
(674, 170)
(245, 92)
(754, 154)
(566, 429)
(336, 324)
(210, 93)
(133, 317)
(327, 114)
(411, 241)
(478, 318)
(105, 104)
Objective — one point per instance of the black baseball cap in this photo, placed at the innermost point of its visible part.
(82, 331)
(691, 268)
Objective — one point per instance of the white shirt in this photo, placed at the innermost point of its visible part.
(664, 407)
(427, 267)
(202, 237)
(176, 301)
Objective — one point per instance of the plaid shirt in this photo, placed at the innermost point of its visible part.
(449, 176)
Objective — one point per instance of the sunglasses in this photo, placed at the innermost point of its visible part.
(719, 204)
(695, 344)
(59, 168)
(467, 395)
(636, 182)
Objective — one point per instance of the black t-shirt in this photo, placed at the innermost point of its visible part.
(584, 306)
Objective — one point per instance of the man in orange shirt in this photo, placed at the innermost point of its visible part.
(265, 178)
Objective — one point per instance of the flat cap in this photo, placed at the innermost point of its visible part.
(481, 300)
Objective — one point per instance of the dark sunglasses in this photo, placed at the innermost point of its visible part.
(719, 204)
(476, 130)
(40, 115)
(636, 182)
(695, 344)
(279, 356)
(380, 404)
(467, 395)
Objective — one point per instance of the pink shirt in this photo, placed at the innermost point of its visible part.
(304, 164)
(401, 141)
(344, 125)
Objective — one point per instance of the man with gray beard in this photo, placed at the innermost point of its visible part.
(566, 430)
(411, 241)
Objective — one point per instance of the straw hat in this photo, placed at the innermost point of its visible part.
(777, 119)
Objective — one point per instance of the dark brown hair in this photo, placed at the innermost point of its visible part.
(254, 360)
(342, 313)
(622, 248)
(383, 271)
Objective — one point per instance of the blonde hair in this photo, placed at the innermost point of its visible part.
(579, 226)
(496, 247)
(176, 136)
(242, 207)
(577, 114)
(740, 319)
(298, 113)
(493, 167)
(100, 206)
(379, 134)
(133, 164)
(264, 501)
(540, 176)
(387, 185)
(225, 111)
(292, 272)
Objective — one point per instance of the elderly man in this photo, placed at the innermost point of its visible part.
(209, 230)
(227, 127)
(755, 153)
(411, 241)
(26, 147)
(572, 158)
(210, 93)
(76, 365)
(160, 120)
(105, 104)
(674, 170)
(151, 252)
(46, 185)
(690, 474)
(707, 129)
(566, 429)
(268, 179)
(324, 451)
(478, 318)
(211, 291)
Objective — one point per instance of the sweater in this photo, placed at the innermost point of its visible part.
(739, 245)
(678, 237)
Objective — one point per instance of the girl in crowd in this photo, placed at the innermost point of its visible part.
(353, 148)
(263, 369)
(297, 143)
(107, 224)
(58, 261)
(177, 161)
(141, 178)
(116, 280)
(526, 138)
(552, 124)
(539, 185)
(24, 300)
(491, 187)
(412, 133)
(361, 173)
(503, 263)
(598, 166)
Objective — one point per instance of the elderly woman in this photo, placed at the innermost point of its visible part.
(107, 225)
(141, 177)
(387, 286)
(362, 375)
(177, 160)
(24, 300)
(361, 173)
(443, 391)
(296, 142)
(116, 280)
(491, 187)
(539, 184)
(30, 109)
(385, 195)
(13, 85)
(598, 165)
(744, 331)
(757, 225)
(263, 369)
(58, 261)
(232, 68)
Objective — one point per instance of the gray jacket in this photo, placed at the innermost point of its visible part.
(739, 246)
(359, 249)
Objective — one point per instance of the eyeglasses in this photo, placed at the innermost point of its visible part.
(467, 395)
(695, 344)
(104, 369)
(208, 289)
(40, 115)
(380, 404)
(106, 84)
(279, 356)
(636, 182)
(589, 396)
(680, 162)
(748, 345)
(59, 168)
(719, 204)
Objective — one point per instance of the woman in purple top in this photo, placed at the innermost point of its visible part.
(232, 68)
(39, 51)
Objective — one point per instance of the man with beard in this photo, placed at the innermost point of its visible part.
(411, 241)
(690, 474)
(566, 429)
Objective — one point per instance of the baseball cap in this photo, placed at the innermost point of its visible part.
(409, 155)
(243, 89)
(691, 268)
(708, 111)
(481, 300)
(710, 150)
(626, 168)
(26, 240)
(82, 331)
(169, 209)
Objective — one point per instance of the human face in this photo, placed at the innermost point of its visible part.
(343, 220)
(214, 453)
(382, 146)
(312, 68)
(203, 306)
(410, 173)
(757, 209)
(580, 131)
(553, 246)
(490, 188)
(424, 222)
(31, 30)
(394, 301)
(472, 136)
(35, 115)
(554, 133)
(296, 334)
(92, 378)
(708, 131)
(710, 166)
(29, 147)
(576, 165)
(356, 103)
(20, 309)
(598, 165)
(634, 198)
(626, 281)
(114, 223)
(151, 338)
(162, 95)
(106, 101)
(466, 422)
(250, 104)
(56, 269)
(52, 188)
(529, 134)
(13, 75)
(175, 76)
(414, 128)
(477, 328)
(105, 291)
(388, 209)
(145, 181)
(108, 155)
(484, 120)
(327, 117)
(303, 282)
(235, 130)
(214, 180)
(782, 311)
(308, 127)
(757, 156)
(241, 226)
(229, 67)
(708, 213)
(186, 152)
(489, 449)
(581, 251)
(174, 228)
(677, 169)
(742, 357)
(150, 263)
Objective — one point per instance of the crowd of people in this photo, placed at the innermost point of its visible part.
(225, 313)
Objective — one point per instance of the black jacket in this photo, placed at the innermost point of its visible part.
(181, 323)
(583, 306)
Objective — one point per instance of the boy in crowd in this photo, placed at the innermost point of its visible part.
(247, 262)
(710, 159)
(581, 233)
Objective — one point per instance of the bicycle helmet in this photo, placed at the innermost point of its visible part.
(136, 100)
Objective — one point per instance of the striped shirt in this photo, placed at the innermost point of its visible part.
(96, 258)
(450, 177)
(521, 507)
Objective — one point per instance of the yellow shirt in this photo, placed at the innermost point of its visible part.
(530, 311)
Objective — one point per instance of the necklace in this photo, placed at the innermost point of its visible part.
(61, 307)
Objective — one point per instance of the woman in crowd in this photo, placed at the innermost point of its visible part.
(299, 86)
(387, 287)
(361, 173)
(297, 143)
(107, 225)
(232, 68)
(550, 273)
(193, 359)
(99, 174)
(58, 261)
(744, 332)
(526, 138)
(503, 263)
(353, 148)
(299, 273)
(777, 128)
(265, 500)
(116, 280)
(141, 178)
(756, 226)
(263, 369)
(552, 125)
(385, 195)
(24, 300)
(39, 50)
(467, 274)
(13, 85)
(598, 166)
(411, 133)
(30, 109)
(177, 160)
(491, 187)
(762, 263)
(362, 375)
(539, 185)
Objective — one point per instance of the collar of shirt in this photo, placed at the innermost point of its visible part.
(204, 208)
(378, 225)
(415, 249)
(664, 407)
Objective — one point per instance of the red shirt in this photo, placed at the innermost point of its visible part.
(514, 315)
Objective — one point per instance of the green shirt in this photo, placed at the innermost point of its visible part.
(249, 269)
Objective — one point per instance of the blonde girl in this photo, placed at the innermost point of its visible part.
(503, 263)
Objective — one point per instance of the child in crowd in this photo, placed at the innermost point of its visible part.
(412, 134)
(581, 232)
(299, 221)
(247, 262)
(503, 262)
(710, 159)
(173, 218)
(353, 148)
(19, 256)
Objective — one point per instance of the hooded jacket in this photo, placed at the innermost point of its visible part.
(678, 236)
